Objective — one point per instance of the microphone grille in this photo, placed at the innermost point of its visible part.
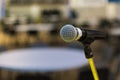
(68, 33)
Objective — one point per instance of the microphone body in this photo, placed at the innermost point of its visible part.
(70, 33)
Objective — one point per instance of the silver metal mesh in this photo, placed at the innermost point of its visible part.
(68, 33)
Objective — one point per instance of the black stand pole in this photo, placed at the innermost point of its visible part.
(89, 56)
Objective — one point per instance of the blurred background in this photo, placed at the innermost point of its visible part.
(36, 24)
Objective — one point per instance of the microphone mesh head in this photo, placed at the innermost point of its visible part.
(68, 33)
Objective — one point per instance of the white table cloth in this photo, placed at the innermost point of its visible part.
(34, 27)
(42, 59)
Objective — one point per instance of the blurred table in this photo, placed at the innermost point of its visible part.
(34, 27)
(115, 40)
(42, 59)
(115, 32)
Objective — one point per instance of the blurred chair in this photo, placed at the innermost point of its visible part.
(22, 39)
(55, 16)
(45, 16)
(54, 35)
(32, 36)
(116, 22)
(11, 37)
(51, 16)
(104, 25)
(29, 20)
(17, 22)
(33, 77)
(55, 31)
(85, 25)
(2, 36)
(86, 74)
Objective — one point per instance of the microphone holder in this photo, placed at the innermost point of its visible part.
(89, 55)
(87, 49)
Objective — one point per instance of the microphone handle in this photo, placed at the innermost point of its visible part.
(89, 36)
(95, 34)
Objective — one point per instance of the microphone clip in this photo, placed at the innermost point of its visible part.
(87, 48)
(88, 51)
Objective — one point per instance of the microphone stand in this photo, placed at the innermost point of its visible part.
(89, 56)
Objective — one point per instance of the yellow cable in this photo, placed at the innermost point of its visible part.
(92, 66)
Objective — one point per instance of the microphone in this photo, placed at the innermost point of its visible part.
(70, 33)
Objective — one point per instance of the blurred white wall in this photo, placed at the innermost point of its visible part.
(85, 13)
(19, 10)
(35, 10)
(89, 9)
(111, 10)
